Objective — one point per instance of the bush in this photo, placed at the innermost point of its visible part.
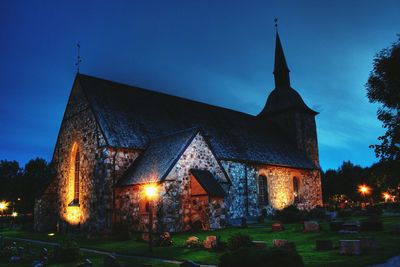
(251, 257)
(67, 251)
(290, 214)
(345, 213)
(318, 213)
(218, 245)
(374, 210)
(239, 240)
(192, 242)
(374, 223)
(336, 225)
(122, 233)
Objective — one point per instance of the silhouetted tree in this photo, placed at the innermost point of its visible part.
(9, 176)
(383, 87)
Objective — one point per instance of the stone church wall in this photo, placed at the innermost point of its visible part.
(100, 168)
(242, 199)
(174, 205)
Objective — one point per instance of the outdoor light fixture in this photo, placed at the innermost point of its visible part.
(151, 192)
(14, 214)
(364, 189)
(3, 205)
(386, 196)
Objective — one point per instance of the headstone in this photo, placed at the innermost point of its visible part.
(208, 243)
(145, 237)
(111, 261)
(260, 244)
(351, 226)
(311, 226)
(276, 227)
(192, 241)
(278, 243)
(165, 239)
(189, 264)
(323, 244)
(350, 247)
(368, 243)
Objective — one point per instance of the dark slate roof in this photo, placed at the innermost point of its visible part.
(208, 182)
(130, 117)
(282, 99)
(159, 158)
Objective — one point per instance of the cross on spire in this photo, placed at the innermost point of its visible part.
(78, 58)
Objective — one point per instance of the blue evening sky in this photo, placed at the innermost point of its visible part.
(219, 52)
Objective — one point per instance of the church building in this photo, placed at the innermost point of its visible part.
(211, 165)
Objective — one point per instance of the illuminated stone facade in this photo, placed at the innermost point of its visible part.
(222, 166)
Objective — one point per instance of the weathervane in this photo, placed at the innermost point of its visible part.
(276, 23)
(78, 58)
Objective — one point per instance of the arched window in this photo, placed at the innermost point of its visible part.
(296, 193)
(262, 190)
(76, 176)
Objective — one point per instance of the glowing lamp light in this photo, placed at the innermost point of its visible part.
(386, 196)
(51, 234)
(3, 205)
(14, 214)
(151, 191)
(364, 189)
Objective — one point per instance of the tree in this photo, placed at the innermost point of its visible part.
(383, 87)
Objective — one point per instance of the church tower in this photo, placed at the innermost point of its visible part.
(286, 108)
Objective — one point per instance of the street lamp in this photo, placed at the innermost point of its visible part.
(364, 190)
(3, 206)
(151, 192)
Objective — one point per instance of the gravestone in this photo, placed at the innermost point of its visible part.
(311, 226)
(278, 243)
(208, 243)
(350, 247)
(277, 227)
(260, 244)
(323, 244)
(368, 243)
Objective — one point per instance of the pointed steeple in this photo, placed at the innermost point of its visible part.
(281, 70)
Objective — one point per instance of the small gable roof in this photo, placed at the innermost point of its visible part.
(159, 158)
(131, 117)
(207, 180)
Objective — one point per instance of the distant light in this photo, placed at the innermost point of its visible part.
(364, 189)
(19, 199)
(51, 234)
(387, 196)
(3, 205)
(14, 214)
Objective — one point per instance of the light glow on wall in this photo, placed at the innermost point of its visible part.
(73, 213)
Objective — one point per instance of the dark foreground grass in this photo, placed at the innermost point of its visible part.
(389, 244)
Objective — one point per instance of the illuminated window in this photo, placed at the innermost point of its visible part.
(296, 185)
(76, 177)
(262, 191)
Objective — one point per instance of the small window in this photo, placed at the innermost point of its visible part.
(296, 193)
(262, 191)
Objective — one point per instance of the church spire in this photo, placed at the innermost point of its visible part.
(281, 70)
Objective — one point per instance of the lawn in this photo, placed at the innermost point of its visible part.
(388, 244)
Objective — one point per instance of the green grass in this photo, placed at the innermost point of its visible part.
(389, 244)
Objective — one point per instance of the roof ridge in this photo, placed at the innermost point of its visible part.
(164, 94)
